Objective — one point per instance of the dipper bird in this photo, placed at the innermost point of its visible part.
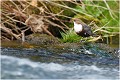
(81, 28)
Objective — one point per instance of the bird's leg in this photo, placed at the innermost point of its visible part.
(83, 39)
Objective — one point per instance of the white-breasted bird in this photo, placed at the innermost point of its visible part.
(81, 28)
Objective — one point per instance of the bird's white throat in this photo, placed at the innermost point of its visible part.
(77, 27)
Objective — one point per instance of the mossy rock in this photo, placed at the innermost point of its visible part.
(41, 39)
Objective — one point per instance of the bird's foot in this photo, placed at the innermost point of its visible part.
(82, 41)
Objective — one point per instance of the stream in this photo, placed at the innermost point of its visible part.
(59, 63)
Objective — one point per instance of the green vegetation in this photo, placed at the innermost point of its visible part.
(70, 36)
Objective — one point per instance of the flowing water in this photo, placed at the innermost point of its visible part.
(13, 67)
(46, 64)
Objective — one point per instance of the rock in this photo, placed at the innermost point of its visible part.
(41, 39)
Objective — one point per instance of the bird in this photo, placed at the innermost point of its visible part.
(81, 28)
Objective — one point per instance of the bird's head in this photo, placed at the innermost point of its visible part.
(77, 25)
(76, 20)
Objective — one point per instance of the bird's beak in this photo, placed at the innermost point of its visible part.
(72, 20)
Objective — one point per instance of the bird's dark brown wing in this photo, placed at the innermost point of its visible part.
(87, 30)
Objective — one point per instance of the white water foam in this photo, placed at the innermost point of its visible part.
(29, 69)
